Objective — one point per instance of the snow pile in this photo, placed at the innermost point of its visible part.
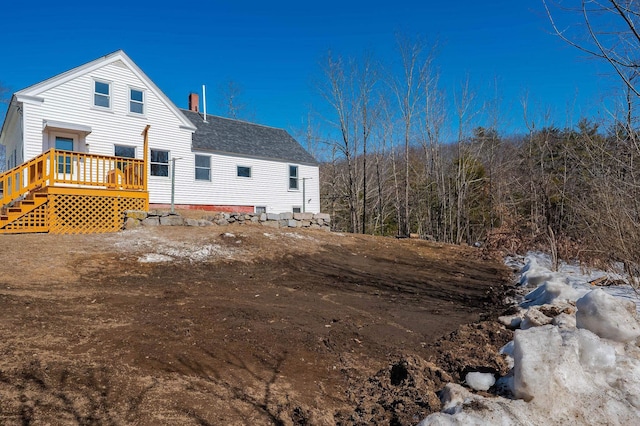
(607, 316)
(575, 357)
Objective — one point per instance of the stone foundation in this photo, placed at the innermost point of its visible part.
(135, 218)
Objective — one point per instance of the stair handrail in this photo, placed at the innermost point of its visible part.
(20, 180)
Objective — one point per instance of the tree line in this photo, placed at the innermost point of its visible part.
(405, 157)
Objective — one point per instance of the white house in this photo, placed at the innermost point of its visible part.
(220, 164)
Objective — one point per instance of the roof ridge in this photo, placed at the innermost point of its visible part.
(233, 119)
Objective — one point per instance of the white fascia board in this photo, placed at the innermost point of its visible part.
(35, 90)
(54, 81)
(28, 99)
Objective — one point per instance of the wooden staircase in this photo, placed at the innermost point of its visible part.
(21, 210)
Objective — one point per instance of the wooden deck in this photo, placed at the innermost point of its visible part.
(72, 192)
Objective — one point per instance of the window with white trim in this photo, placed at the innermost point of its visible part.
(123, 151)
(101, 94)
(244, 171)
(293, 177)
(203, 167)
(297, 209)
(136, 101)
(159, 162)
(261, 209)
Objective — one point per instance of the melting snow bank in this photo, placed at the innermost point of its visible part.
(575, 357)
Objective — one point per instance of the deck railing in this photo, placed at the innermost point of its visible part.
(66, 168)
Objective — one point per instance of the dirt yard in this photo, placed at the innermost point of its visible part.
(239, 325)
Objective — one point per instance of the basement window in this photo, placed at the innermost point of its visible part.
(159, 163)
(297, 209)
(261, 209)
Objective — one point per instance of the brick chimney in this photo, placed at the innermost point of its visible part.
(194, 102)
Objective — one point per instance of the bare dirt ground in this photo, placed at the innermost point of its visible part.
(239, 325)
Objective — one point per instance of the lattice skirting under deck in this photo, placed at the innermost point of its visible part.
(89, 214)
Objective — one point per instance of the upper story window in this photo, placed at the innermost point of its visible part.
(136, 101)
(159, 162)
(203, 167)
(244, 171)
(293, 177)
(101, 94)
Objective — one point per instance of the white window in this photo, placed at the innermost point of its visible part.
(101, 94)
(293, 177)
(244, 171)
(261, 209)
(136, 101)
(159, 162)
(297, 209)
(203, 167)
(123, 151)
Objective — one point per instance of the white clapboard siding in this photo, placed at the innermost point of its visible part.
(268, 185)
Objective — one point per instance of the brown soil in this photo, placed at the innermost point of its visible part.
(239, 325)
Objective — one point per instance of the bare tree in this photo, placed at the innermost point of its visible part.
(338, 92)
(367, 79)
(5, 97)
(409, 92)
(605, 29)
(230, 101)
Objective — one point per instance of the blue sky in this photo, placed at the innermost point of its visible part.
(273, 49)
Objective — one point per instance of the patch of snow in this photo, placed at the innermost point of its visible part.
(551, 290)
(159, 249)
(155, 258)
(294, 235)
(480, 381)
(575, 356)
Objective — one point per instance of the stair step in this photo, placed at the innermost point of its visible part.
(14, 209)
(40, 195)
(28, 202)
(3, 217)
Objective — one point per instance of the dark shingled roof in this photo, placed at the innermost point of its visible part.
(225, 135)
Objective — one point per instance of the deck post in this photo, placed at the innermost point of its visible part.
(52, 167)
(145, 156)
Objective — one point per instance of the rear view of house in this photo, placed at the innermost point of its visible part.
(88, 127)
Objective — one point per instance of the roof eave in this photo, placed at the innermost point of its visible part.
(257, 157)
(36, 89)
